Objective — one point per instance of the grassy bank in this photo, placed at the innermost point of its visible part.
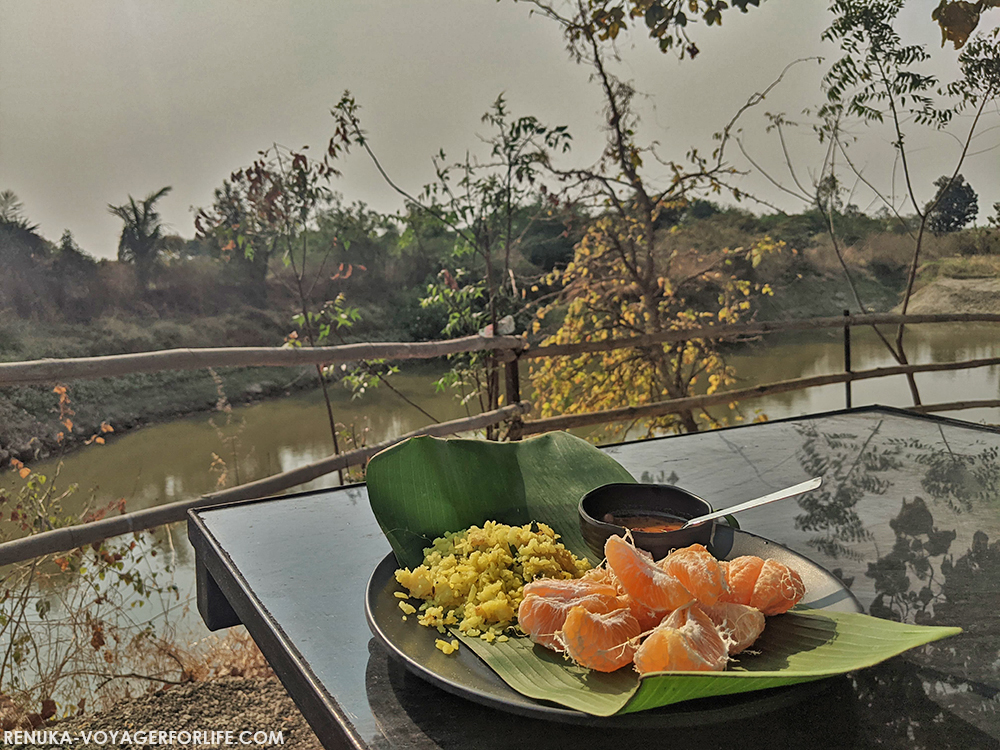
(29, 415)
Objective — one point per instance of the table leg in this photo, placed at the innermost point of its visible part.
(213, 605)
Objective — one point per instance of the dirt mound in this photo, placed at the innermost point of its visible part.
(956, 296)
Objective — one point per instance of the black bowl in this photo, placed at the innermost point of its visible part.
(640, 499)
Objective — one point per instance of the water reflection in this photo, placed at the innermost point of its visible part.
(960, 480)
(863, 470)
(908, 577)
(899, 706)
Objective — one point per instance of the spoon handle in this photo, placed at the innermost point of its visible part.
(792, 491)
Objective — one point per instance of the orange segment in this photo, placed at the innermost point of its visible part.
(600, 641)
(648, 618)
(685, 641)
(741, 575)
(702, 633)
(667, 650)
(698, 571)
(767, 585)
(642, 580)
(778, 588)
(568, 588)
(739, 625)
(541, 617)
(599, 575)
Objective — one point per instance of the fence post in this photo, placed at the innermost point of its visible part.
(847, 355)
(513, 383)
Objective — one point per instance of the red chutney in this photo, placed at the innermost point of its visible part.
(644, 522)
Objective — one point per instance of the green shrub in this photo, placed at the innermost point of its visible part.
(10, 340)
(978, 241)
(124, 336)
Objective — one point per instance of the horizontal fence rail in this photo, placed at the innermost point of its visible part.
(955, 406)
(88, 368)
(72, 537)
(84, 368)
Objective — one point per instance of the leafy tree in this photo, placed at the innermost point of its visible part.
(667, 21)
(364, 240)
(74, 280)
(995, 218)
(481, 204)
(828, 194)
(142, 233)
(549, 235)
(880, 82)
(634, 274)
(701, 209)
(277, 205)
(241, 237)
(279, 195)
(954, 206)
(18, 236)
(24, 255)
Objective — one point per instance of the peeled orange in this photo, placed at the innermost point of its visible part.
(600, 641)
(768, 585)
(642, 579)
(698, 571)
(739, 624)
(547, 601)
(686, 641)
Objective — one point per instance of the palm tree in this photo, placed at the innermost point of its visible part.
(11, 208)
(142, 234)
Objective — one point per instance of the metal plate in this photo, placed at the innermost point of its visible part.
(466, 675)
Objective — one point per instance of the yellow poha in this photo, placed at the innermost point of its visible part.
(475, 578)
(445, 647)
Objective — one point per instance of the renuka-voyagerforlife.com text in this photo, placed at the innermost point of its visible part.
(143, 737)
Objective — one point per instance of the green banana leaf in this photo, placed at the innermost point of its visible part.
(801, 646)
(425, 487)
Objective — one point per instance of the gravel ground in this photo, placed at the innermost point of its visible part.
(228, 704)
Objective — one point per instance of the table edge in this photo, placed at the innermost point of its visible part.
(316, 705)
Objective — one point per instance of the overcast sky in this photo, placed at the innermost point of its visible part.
(106, 98)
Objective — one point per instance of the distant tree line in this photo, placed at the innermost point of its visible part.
(394, 260)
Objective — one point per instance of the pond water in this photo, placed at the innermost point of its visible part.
(823, 353)
(169, 462)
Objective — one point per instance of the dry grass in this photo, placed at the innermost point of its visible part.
(232, 655)
(885, 252)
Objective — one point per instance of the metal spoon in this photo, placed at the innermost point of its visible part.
(792, 491)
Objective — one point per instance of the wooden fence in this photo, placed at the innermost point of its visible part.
(510, 349)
